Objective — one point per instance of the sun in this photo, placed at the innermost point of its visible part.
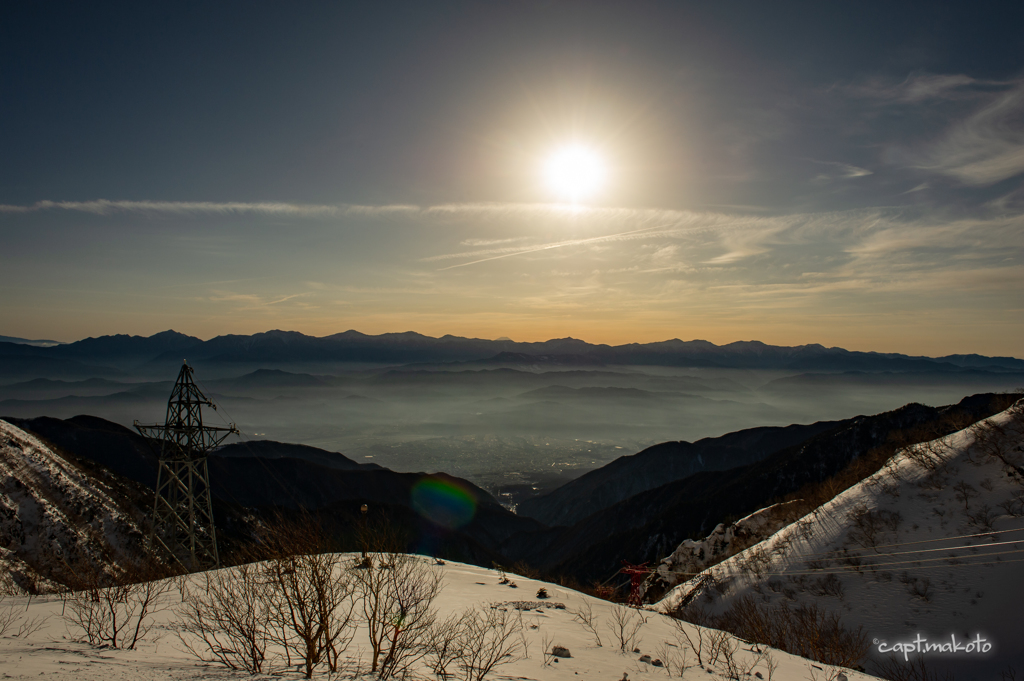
(575, 172)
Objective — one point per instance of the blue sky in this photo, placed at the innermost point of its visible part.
(848, 174)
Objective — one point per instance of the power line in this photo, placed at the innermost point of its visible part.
(841, 555)
(923, 541)
(844, 553)
(871, 567)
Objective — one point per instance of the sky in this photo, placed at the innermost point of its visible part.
(850, 174)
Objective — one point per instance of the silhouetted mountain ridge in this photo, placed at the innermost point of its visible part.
(284, 347)
(660, 464)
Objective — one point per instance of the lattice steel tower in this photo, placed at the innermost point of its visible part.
(183, 509)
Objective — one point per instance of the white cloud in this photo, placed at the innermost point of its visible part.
(476, 243)
(105, 207)
(916, 88)
(986, 147)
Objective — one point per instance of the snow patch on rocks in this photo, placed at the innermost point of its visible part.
(54, 517)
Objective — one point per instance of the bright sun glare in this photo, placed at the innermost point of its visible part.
(575, 172)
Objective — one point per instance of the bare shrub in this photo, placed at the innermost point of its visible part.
(584, 614)
(1014, 506)
(490, 637)
(808, 631)
(227, 618)
(312, 605)
(926, 454)
(895, 669)
(524, 569)
(870, 526)
(625, 627)
(920, 588)
(756, 560)
(119, 615)
(397, 591)
(722, 652)
(892, 470)
(9, 615)
(770, 664)
(965, 492)
(673, 656)
(721, 585)
(981, 518)
(546, 643)
(854, 560)
(991, 440)
(695, 640)
(444, 645)
(806, 528)
(934, 481)
(19, 622)
(299, 601)
(829, 585)
(731, 667)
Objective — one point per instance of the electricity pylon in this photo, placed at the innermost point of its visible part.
(183, 508)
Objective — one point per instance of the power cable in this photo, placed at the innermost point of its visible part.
(840, 570)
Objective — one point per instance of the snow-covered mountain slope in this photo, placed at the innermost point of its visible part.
(931, 546)
(56, 518)
(547, 623)
(725, 541)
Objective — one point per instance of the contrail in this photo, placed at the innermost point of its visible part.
(559, 244)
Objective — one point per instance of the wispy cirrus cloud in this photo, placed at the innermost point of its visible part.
(107, 207)
(498, 253)
(860, 245)
(838, 170)
(251, 300)
(490, 242)
(917, 87)
(967, 129)
(987, 146)
(754, 245)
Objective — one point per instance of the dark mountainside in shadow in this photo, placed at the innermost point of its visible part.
(649, 525)
(659, 465)
(259, 480)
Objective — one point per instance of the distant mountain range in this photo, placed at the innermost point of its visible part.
(26, 341)
(110, 356)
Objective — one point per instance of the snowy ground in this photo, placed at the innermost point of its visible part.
(932, 546)
(52, 649)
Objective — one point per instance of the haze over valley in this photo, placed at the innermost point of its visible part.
(518, 419)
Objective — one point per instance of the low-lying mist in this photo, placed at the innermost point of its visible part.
(515, 432)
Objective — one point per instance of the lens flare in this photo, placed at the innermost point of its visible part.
(443, 501)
